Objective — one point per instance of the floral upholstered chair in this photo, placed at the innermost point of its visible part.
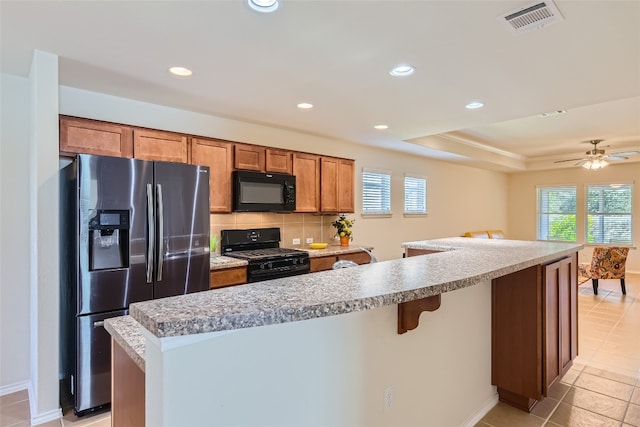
(608, 263)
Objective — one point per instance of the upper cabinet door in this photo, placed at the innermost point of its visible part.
(306, 168)
(336, 186)
(249, 157)
(329, 184)
(162, 146)
(346, 185)
(218, 155)
(93, 137)
(279, 161)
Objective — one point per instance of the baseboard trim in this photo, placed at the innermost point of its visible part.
(486, 407)
(45, 417)
(12, 388)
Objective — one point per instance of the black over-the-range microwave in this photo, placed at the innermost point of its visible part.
(263, 192)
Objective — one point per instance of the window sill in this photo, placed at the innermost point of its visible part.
(415, 215)
(376, 215)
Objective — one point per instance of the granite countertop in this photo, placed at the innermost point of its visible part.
(334, 250)
(128, 334)
(219, 262)
(463, 262)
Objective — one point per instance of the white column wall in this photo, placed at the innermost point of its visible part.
(15, 235)
(331, 371)
(44, 220)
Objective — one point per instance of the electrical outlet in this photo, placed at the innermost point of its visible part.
(296, 241)
(388, 399)
(309, 239)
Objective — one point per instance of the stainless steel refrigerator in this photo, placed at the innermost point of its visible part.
(131, 230)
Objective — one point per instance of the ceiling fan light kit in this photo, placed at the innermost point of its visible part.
(597, 159)
(594, 164)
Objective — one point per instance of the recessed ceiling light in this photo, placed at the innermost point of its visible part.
(474, 105)
(381, 127)
(305, 105)
(180, 71)
(263, 5)
(402, 70)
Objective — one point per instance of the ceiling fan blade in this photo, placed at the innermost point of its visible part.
(582, 162)
(568, 160)
(626, 153)
(615, 158)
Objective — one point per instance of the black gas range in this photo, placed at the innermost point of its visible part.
(260, 247)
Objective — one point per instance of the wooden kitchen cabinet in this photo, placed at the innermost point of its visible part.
(227, 277)
(160, 145)
(279, 161)
(218, 155)
(336, 185)
(533, 330)
(306, 168)
(326, 262)
(560, 327)
(249, 157)
(94, 137)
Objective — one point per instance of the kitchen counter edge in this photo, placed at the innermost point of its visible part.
(463, 262)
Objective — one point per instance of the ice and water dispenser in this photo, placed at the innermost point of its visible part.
(109, 240)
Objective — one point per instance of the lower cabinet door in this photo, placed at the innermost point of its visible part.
(560, 318)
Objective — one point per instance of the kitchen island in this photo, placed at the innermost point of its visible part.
(241, 356)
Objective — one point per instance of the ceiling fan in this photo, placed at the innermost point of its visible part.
(597, 159)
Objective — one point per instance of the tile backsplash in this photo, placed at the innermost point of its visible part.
(292, 225)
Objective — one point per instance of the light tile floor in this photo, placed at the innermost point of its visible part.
(601, 389)
(603, 386)
(14, 412)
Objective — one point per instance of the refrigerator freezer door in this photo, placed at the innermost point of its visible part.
(108, 184)
(92, 383)
(182, 195)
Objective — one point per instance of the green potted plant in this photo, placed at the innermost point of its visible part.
(343, 227)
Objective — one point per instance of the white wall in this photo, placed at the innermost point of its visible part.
(332, 371)
(522, 201)
(44, 226)
(15, 233)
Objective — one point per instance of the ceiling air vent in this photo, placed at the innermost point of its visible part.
(532, 17)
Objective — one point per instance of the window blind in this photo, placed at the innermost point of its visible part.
(609, 213)
(376, 192)
(557, 213)
(415, 195)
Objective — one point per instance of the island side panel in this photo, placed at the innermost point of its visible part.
(516, 338)
(331, 371)
(127, 389)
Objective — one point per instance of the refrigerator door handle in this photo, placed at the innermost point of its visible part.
(160, 232)
(151, 231)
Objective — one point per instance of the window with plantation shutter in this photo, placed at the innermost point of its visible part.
(609, 216)
(376, 193)
(415, 195)
(557, 213)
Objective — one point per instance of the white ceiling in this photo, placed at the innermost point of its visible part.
(337, 55)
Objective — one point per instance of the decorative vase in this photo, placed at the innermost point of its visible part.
(344, 241)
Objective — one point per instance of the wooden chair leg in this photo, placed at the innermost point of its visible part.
(595, 286)
(624, 290)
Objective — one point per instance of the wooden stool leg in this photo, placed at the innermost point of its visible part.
(595, 286)
(624, 290)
